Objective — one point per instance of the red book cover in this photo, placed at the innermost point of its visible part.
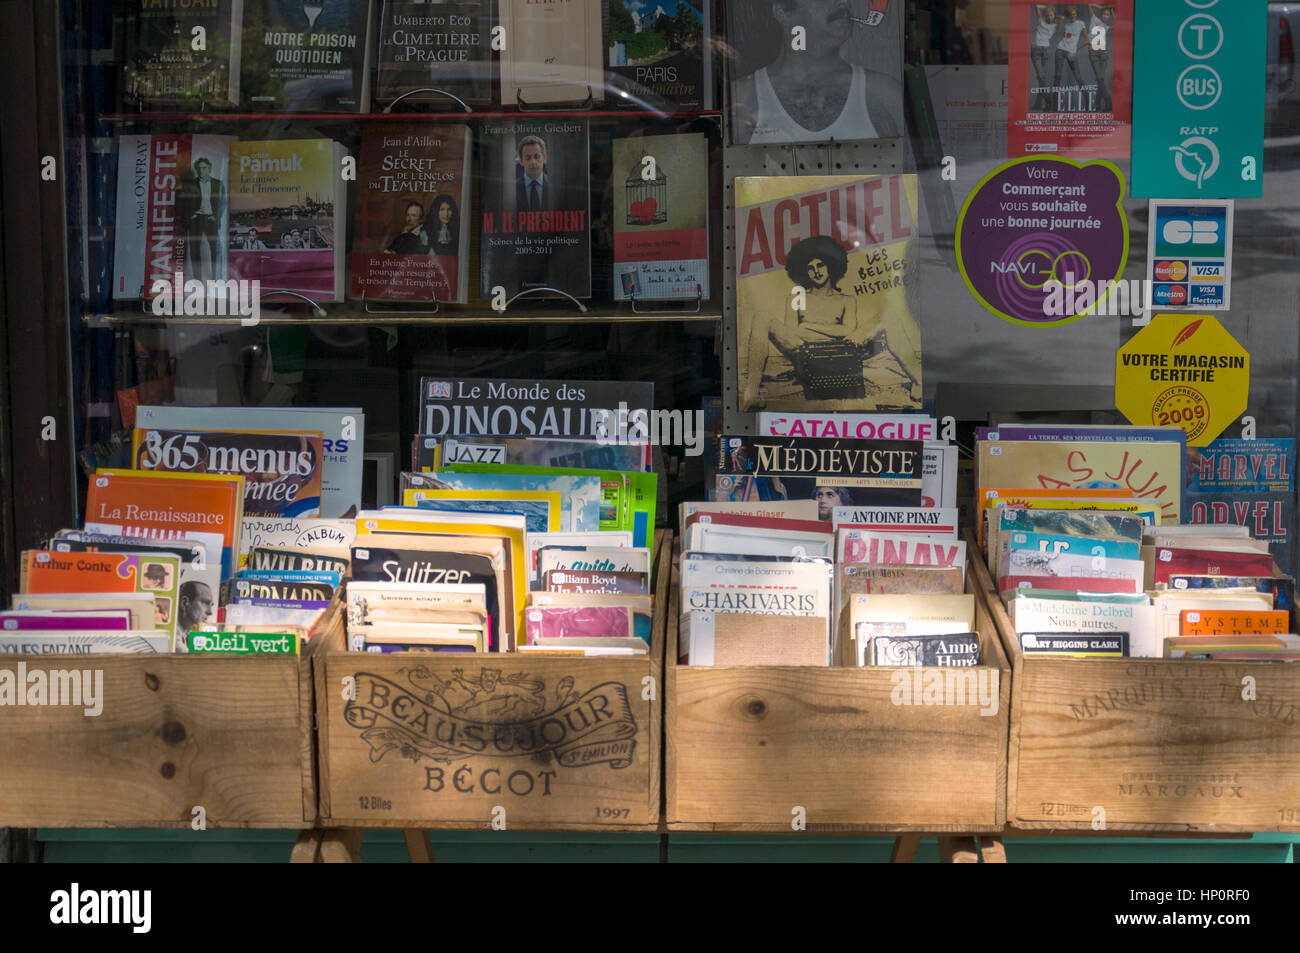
(1072, 584)
(1206, 562)
(1070, 79)
(411, 231)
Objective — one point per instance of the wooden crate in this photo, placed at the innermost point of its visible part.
(745, 746)
(1150, 745)
(230, 735)
(535, 743)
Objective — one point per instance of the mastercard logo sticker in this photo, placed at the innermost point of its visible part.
(1171, 271)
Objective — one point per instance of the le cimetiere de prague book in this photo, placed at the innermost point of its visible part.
(535, 198)
(827, 294)
(661, 217)
(659, 52)
(307, 55)
(554, 52)
(172, 211)
(286, 215)
(430, 51)
(410, 239)
(161, 67)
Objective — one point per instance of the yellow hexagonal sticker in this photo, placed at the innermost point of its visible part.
(1183, 370)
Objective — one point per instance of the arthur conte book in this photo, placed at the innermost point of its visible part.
(287, 228)
(410, 237)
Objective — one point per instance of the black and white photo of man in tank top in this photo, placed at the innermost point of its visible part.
(808, 87)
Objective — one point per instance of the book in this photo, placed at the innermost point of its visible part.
(716, 533)
(264, 612)
(1070, 88)
(1229, 622)
(1009, 582)
(639, 605)
(533, 408)
(540, 508)
(46, 620)
(137, 501)
(343, 437)
(327, 537)
(1086, 615)
(161, 65)
(1169, 604)
(156, 575)
(900, 426)
(856, 93)
(1246, 483)
(172, 212)
(913, 549)
(139, 604)
(583, 622)
(536, 541)
(553, 53)
(933, 520)
(538, 452)
(281, 470)
(287, 227)
(411, 224)
(273, 557)
(582, 498)
(1169, 561)
(429, 53)
(307, 57)
(1068, 567)
(1150, 470)
(244, 643)
(635, 559)
(242, 590)
(135, 642)
(660, 57)
(903, 615)
(835, 472)
(1075, 644)
(777, 509)
(535, 207)
(661, 217)
(568, 580)
(728, 638)
(946, 651)
(826, 305)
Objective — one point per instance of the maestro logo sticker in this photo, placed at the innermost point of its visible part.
(1038, 226)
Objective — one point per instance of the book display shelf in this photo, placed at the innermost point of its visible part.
(606, 418)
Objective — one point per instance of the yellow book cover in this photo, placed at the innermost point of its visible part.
(827, 293)
(541, 508)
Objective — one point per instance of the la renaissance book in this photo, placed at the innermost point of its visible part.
(410, 237)
(172, 211)
(661, 217)
(286, 215)
(535, 202)
(429, 52)
(827, 293)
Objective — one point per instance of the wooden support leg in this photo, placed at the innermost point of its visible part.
(992, 849)
(341, 846)
(306, 850)
(958, 850)
(418, 847)
(905, 847)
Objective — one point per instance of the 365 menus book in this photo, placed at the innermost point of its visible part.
(535, 206)
(410, 238)
(660, 186)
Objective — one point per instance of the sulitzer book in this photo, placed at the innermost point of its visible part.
(429, 52)
(162, 66)
(286, 215)
(171, 211)
(826, 293)
(410, 239)
(307, 55)
(536, 207)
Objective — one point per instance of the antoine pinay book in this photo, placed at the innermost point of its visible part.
(536, 207)
(410, 239)
(431, 51)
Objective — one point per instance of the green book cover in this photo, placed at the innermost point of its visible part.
(243, 643)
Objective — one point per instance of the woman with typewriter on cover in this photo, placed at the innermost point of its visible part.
(831, 341)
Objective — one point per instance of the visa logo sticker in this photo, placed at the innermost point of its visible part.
(1169, 294)
(1208, 271)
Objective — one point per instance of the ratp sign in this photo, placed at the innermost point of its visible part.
(1198, 98)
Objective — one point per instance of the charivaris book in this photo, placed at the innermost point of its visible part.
(410, 239)
(826, 293)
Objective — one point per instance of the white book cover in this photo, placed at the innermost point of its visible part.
(754, 541)
(246, 613)
(617, 539)
(767, 509)
(938, 521)
(1068, 615)
(1032, 562)
(911, 549)
(939, 462)
(777, 576)
(1170, 603)
(343, 430)
(594, 559)
(324, 536)
(128, 642)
